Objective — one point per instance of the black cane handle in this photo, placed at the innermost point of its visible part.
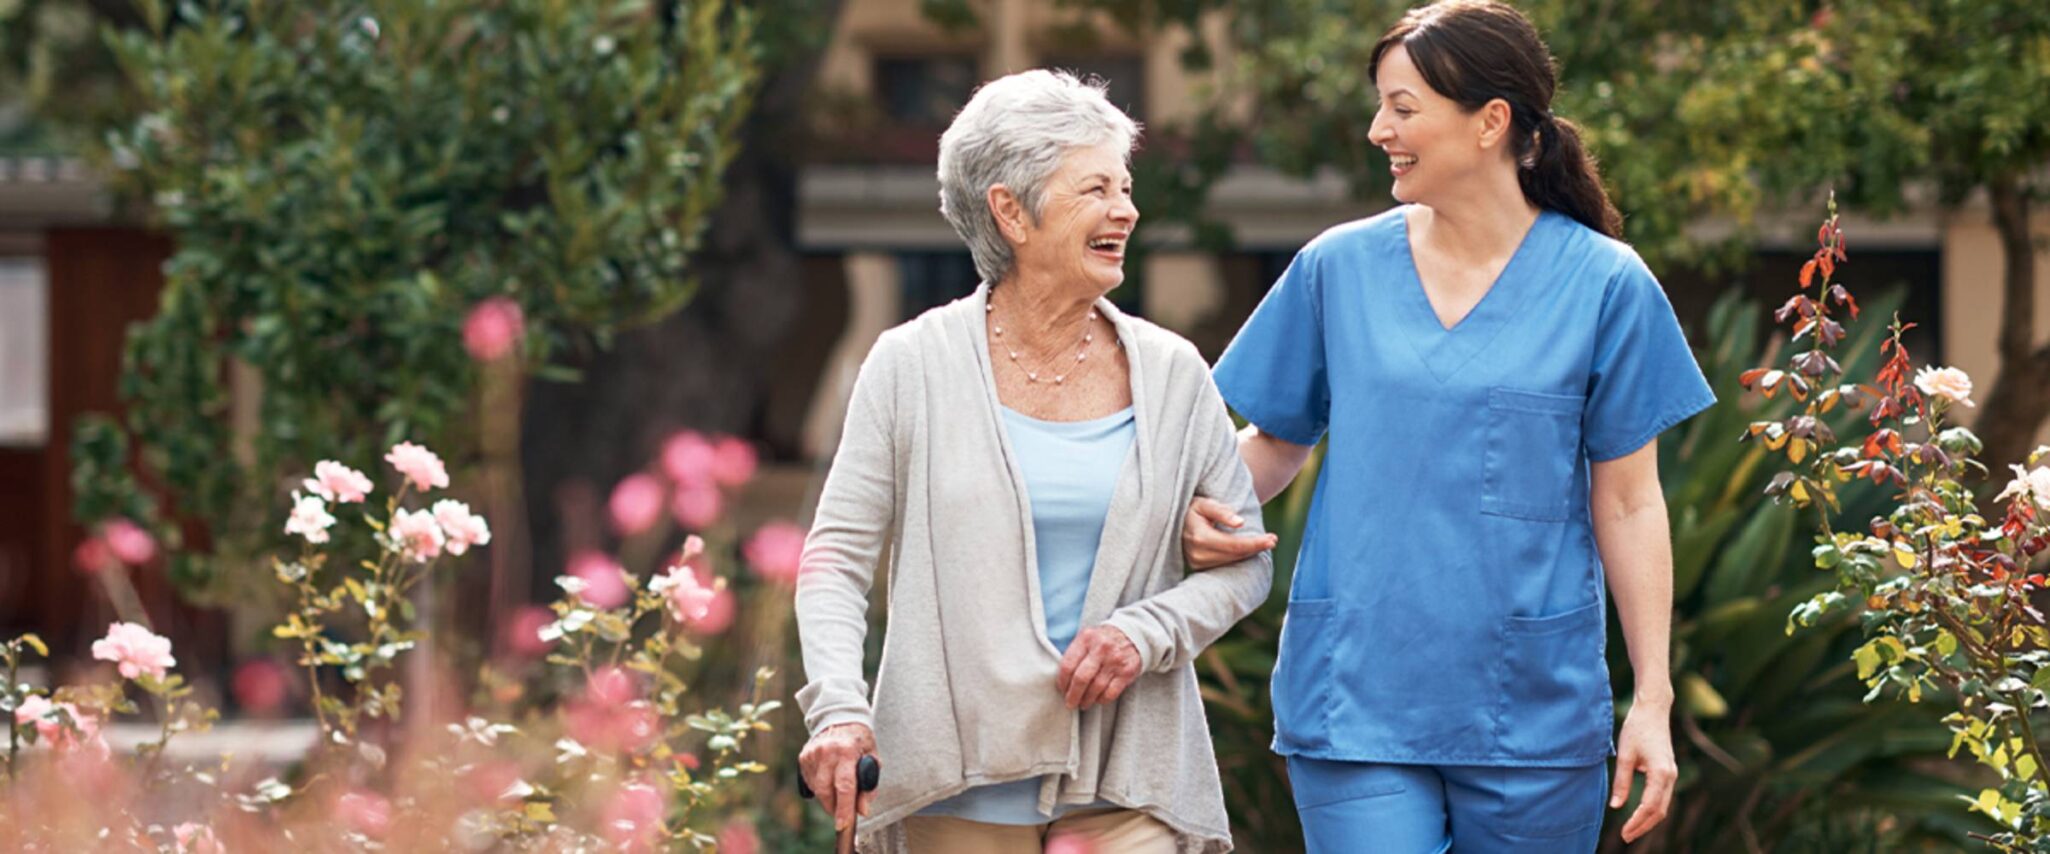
(868, 774)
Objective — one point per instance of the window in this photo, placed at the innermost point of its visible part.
(24, 353)
(930, 279)
(924, 90)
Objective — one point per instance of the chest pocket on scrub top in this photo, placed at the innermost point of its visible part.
(1532, 453)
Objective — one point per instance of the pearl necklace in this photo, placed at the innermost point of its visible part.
(1031, 376)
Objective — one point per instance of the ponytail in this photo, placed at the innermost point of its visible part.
(1563, 177)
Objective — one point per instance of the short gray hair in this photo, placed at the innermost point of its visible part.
(1014, 132)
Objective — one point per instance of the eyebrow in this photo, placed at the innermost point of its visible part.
(1399, 90)
(1105, 177)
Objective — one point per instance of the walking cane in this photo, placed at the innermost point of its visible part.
(867, 775)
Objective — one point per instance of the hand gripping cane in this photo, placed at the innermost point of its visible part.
(867, 775)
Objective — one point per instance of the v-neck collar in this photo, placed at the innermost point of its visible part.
(1445, 351)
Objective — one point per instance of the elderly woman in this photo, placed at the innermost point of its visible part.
(1024, 456)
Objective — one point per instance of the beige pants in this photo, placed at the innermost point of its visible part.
(1114, 831)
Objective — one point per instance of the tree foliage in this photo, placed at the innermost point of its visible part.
(346, 181)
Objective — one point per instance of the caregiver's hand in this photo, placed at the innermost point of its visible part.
(828, 763)
(1645, 746)
(1099, 666)
(1206, 546)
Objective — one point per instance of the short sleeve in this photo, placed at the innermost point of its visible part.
(1644, 377)
(1273, 372)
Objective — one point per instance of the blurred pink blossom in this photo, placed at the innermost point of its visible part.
(603, 577)
(1069, 843)
(195, 838)
(136, 650)
(689, 459)
(636, 504)
(693, 549)
(738, 837)
(309, 518)
(338, 483)
(688, 599)
(522, 634)
(493, 329)
(419, 465)
(633, 818)
(365, 812)
(697, 506)
(719, 614)
(35, 709)
(493, 781)
(260, 686)
(417, 535)
(464, 528)
(774, 551)
(609, 717)
(94, 556)
(128, 541)
(733, 461)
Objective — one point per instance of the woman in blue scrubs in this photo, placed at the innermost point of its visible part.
(1492, 367)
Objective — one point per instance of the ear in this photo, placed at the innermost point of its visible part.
(1009, 212)
(1496, 120)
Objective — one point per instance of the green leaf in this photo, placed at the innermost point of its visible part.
(36, 642)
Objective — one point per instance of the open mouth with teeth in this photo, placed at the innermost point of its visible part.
(1400, 163)
(1111, 246)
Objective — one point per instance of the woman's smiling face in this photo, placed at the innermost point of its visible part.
(1085, 221)
(1430, 139)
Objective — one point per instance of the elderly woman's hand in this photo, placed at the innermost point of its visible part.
(1099, 665)
(1207, 546)
(828, 763)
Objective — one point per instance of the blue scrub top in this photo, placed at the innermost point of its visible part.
(1447, 602)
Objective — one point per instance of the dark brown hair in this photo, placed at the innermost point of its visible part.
(1474, 51)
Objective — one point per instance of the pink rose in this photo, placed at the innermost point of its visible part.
(365, 812)
(493, 328)
(338, 483)
(136, 650)
(417, 535)
(463, 528)
(604, 579)
(129, 542)
(633, 818)
(733, 461)
(419, 465)
(309, 518)
(689, 600)
(697, 506)
(689, 459)
(636, 504)
(37, 709)
(609, 716)
(775, 550)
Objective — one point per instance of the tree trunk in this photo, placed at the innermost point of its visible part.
(2017, 401)
(705, 367)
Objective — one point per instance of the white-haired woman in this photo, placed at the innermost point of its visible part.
(1025, 455)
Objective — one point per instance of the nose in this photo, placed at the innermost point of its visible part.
(1125, 212)
(1382, 131)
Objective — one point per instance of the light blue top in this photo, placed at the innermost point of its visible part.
(1070, 468)
(1447, 606)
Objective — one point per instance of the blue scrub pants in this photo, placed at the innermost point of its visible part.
(1429, 809)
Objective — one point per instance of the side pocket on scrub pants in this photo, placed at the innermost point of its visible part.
(1554, 694)
(1302, 674)
(1532, 454)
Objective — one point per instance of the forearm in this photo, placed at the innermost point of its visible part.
(1273, 462)
(1637, 553)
